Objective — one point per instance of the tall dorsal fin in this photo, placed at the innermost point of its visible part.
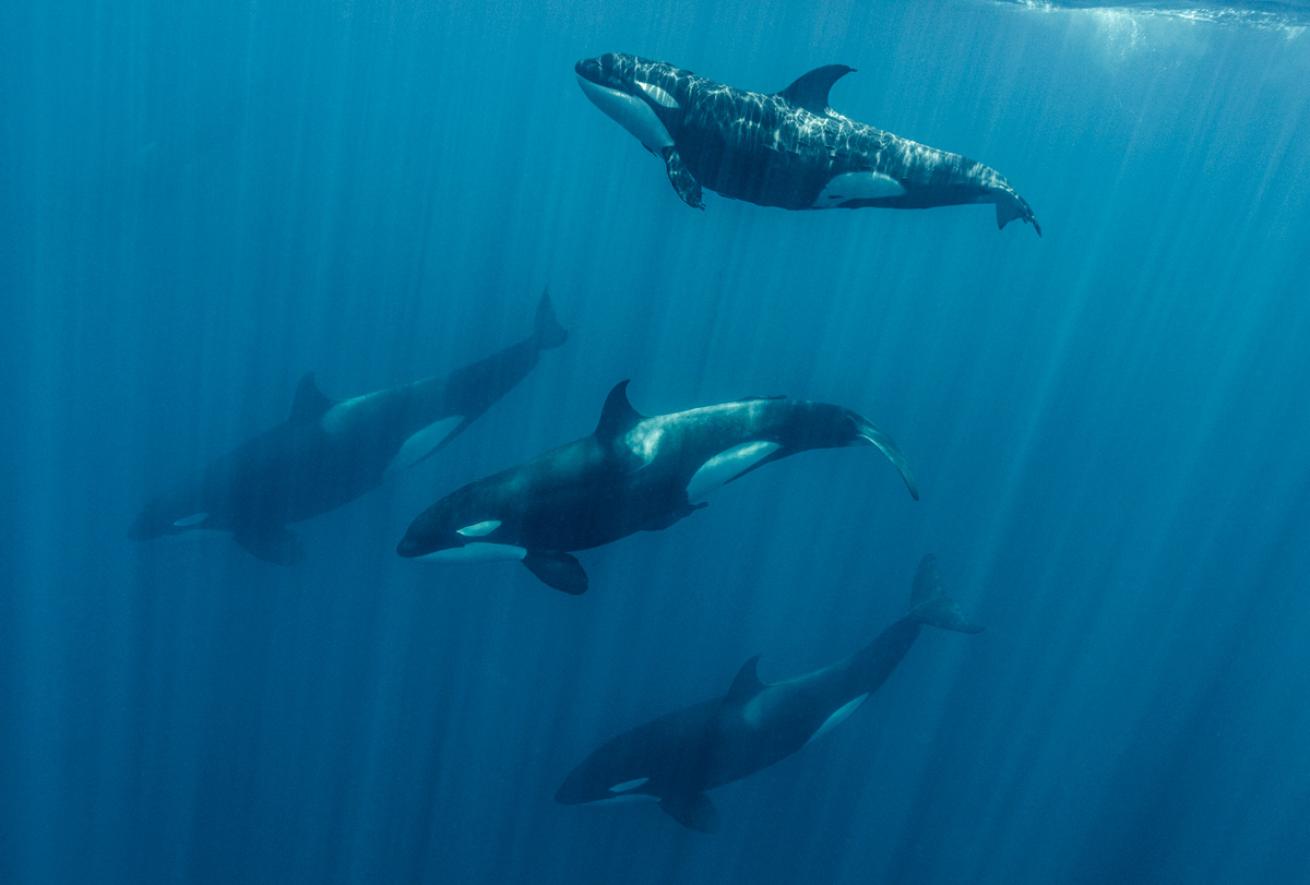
(746, 684)
(810, 91)
(617, 415)
(309, 402)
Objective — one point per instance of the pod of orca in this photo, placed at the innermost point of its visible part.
(633, 472)
(329, 453)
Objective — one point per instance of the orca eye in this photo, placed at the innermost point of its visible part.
(657, 94)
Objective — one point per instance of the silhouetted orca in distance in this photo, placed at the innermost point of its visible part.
(788, 149)
(676, 758)
(329, 453)
(633, 473)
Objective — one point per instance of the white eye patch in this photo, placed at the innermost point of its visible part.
(657, 95)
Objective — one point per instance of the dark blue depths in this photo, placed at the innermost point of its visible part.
(201, 202)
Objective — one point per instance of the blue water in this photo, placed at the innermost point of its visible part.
(200, 202)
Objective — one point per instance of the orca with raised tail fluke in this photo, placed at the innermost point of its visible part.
(633, 473)
(328, 453)
(675, 759)
(788, 149)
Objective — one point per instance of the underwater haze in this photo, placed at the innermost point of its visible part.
(201, 202)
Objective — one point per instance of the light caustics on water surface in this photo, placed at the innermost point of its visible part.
(1293, 18)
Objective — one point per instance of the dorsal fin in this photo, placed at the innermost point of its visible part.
(810, 91)
(309, 402)
(746, 684)
(617, 415)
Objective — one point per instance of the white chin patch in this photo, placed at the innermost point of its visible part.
(478, 529)
(838, 716)
(727, 465)
(858, 186)
(195, 535)
(630, 112)
(629, 785)
(187, 522)
(421, 444)
(478, 551)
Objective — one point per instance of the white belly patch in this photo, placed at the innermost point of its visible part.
(630, 112)
(726, 465)
(419, 445)
(840, 715)
(624, 798)
(188, 521)
(629, 785)
(478, 551)
(858, 186)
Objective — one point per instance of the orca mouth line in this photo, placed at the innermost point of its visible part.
(592, 71)
(589, 70)
(410, 548)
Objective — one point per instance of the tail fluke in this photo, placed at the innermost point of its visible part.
(1009, 206)
(549, 333)
(885, 444)
(930, 605)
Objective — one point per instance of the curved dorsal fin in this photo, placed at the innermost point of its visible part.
(746, 684)
(309, 402)
(810, 91)
(617, 415)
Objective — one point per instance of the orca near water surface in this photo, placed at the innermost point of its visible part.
(788, 149)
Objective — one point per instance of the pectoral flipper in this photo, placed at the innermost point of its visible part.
(684, 183)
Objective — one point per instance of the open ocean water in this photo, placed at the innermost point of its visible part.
(199, 202)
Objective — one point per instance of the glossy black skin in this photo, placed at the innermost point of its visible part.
(607, 486)
(767, 149)
(327, 454)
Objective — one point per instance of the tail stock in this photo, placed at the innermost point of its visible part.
(865, 430)
(1009, 206)
(548, 332)
(930, 605)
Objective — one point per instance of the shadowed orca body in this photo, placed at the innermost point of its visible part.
(329, 453)
(633, 473)
(676, 758)
(788, 149)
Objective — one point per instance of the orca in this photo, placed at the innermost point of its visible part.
(788, 149)
(634, 473)
(327, 453)
(675, 759)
